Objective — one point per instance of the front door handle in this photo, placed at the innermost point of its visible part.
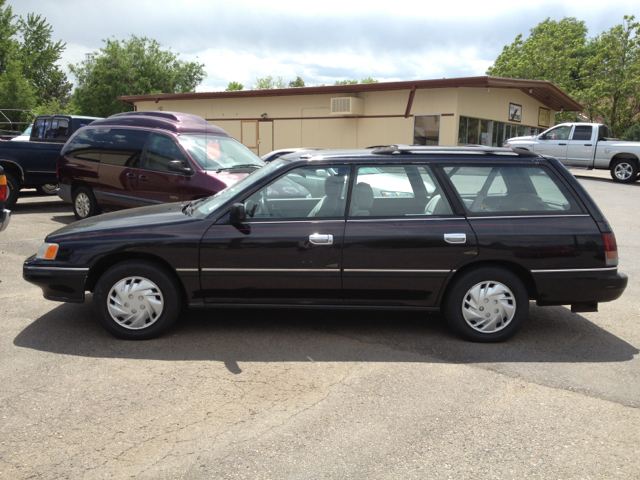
(144, 178)
(131, 176)
(321, 239)
(455, 237)
(562, 144)
(588, 145)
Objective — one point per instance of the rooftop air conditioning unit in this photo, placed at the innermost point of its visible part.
(347, 106)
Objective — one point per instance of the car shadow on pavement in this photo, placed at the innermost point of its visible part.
(604, 180)
(552, 334)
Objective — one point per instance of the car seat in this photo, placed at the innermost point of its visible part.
(362, 200)
(329, 205)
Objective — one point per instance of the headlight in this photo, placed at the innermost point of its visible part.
(48, 251)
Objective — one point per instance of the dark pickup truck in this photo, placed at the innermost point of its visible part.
(32, 164)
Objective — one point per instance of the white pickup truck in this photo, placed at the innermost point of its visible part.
(585, 145)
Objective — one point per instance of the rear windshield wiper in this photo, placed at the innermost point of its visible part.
(239, 167)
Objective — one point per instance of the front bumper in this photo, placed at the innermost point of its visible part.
(5, 218)
(60, 284)
(579, 286)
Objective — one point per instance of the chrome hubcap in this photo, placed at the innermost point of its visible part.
(50, 188)
(83, 204)
(135, 303)
(488, 306)
(623, 171)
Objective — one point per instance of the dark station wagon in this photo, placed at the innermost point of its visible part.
(473, 232)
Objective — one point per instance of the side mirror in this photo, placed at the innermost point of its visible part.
(177, 166)
(237, 214)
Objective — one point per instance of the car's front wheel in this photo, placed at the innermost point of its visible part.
(624, 170)
(488, 304)
(85, 204)
(136, 300)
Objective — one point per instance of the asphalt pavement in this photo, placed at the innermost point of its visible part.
(311, 394)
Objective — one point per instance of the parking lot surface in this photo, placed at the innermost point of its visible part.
(253, 394)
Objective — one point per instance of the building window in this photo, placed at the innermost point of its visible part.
(475, 131)
(426, 130)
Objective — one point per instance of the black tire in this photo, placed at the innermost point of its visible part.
(624, 170)
(85, 204)
(137, 300)
(48, 189)
(13, 191)
(494, 287)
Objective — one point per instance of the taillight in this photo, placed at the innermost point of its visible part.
(3, 188)
(610, 249)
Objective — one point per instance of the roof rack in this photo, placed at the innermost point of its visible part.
(464, 150)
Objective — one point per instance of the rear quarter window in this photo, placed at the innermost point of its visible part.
(511, 189)
(86, 144)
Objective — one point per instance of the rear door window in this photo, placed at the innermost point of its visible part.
(124, 147)
(582, 132)
(397, 191)
(511, 189)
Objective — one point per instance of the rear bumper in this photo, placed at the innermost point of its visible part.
(64, 192)
(565, 287)
(5, 218)
(57, 283)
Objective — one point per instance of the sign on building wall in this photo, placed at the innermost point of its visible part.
(515, 112)
(543, 117)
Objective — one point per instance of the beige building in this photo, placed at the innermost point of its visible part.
(455, 111)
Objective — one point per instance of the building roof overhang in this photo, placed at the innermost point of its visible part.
(544, 92)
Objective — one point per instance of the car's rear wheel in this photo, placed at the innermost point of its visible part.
(13, 191)
(85, 204)
(136, 300)
(624, 170)
(487, 304)
(48, 189)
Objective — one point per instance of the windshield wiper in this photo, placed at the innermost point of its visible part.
(188, 209)
(239, 167)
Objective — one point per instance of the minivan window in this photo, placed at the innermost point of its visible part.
(161, 151)
(511, 189)
(124, 147)
(86, 144)
(215, 153)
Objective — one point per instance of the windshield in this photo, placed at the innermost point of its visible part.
(211, 204)
(216, 153)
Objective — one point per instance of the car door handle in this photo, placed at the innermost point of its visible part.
(562, 144)
(321, 239)
(131, 176)
(455, 237)
(144, 178)
(588, 144)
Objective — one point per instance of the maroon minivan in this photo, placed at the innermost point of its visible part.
(136, 159)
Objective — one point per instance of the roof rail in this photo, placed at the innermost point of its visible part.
(466, 149)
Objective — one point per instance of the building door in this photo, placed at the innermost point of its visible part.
(265, 137)
(249, 134)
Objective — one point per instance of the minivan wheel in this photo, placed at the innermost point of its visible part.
(488, 304)
(84, 203)
(48, 189)
(13, 191)
(136, 300)
(624, 170)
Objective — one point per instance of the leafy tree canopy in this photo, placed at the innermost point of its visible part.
(602, 73)
(346, 82)
(268, 83)
(136, 66)
(298, 82)
(234, 86)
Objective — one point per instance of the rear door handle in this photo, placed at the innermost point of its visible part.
(321, 239)
(144, 178)
(455, 237)
(588, 144)
(562, 144)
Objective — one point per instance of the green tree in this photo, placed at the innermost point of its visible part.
(268, 83)
(298, 82)
(368, 80)
(346, 82)
(16, 91)
(8, 44)
(613, 71)
(632, 134)
(38, 56)
(234, 86)
(554, 51)
(137, 66)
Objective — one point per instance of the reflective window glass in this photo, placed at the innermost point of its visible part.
(87, 144)
(124, 147)
(161, 151)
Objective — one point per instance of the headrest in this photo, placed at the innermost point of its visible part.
(333, 186)
(364, 195)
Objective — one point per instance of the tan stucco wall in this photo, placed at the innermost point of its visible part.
(383, 121)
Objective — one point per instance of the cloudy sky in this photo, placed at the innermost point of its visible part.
(321, 41)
